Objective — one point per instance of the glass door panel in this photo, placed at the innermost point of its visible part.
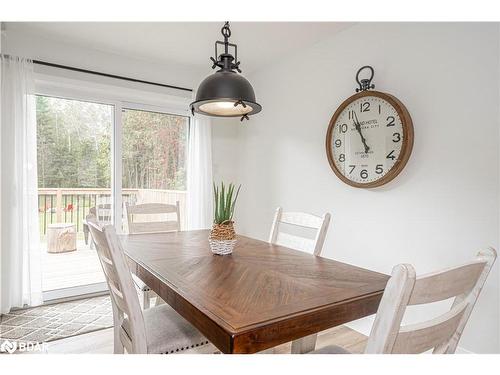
(74, 180)
(154, 153)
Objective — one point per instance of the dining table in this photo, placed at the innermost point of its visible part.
(260, 296)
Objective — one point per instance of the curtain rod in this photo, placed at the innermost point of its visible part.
(109, 75)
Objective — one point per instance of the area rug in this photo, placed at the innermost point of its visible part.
(57, 321)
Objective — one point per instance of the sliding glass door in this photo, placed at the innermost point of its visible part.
(95, 156)
(74, 152)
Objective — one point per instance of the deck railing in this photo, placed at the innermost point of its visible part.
(73, 205)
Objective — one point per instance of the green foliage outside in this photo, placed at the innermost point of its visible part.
(74, 146)
(74, 141)
(154, 150)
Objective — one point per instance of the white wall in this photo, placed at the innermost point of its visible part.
(33, 46)
(441, 209)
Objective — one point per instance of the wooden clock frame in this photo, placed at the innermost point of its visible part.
(406, 147)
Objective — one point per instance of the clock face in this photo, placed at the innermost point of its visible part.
(369, 139)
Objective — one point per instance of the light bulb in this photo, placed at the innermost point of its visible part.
(225, 108)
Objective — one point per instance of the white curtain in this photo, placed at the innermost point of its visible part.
(199, 179)
(20, 251)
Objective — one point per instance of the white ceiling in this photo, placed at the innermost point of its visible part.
(186, 43)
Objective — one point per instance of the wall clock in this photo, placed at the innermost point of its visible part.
(370, 136)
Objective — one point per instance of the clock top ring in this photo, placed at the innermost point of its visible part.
(370, 137)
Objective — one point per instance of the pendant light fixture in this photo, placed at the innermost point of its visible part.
(225, 93)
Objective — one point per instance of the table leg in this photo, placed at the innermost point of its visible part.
(304, 345)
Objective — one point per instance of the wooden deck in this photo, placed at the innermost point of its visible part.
(75, 268)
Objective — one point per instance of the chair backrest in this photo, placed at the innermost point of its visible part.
(302, 220)
(121, 287)
(152, 209)
(103, 212)
(441, 333)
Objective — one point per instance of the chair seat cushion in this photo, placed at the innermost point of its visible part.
(167, 331)
(140, 284)
(331, 349)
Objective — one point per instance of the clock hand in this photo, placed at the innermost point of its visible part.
(358, 128)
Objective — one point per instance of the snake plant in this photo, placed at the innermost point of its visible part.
(225, 200)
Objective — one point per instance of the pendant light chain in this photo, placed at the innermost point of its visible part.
(226, 33)
(225, 60)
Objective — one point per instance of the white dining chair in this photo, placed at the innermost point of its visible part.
(160, 329)
(314, 246)
(302, 220)
(104, 212)
(134, 212)
(441, 333)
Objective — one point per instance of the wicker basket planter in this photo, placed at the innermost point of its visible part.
(222, 238)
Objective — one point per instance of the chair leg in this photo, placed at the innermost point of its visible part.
(146, 304)
(118, 347)
(86, 233)
(158, 301)
(304, 345)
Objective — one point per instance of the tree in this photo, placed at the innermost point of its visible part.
(73, 143)
(154, 150)
(74, 146)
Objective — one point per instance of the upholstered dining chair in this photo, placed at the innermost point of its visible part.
(313, 246)
(441, 333)
(134, 212)
(156, 330)
(302, 220)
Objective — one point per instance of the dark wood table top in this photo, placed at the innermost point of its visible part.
(260, 296)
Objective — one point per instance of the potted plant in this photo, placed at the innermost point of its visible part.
(222, 237)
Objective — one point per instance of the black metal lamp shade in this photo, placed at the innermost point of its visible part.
(226, 93)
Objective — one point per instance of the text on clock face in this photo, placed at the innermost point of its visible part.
(367, 139)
